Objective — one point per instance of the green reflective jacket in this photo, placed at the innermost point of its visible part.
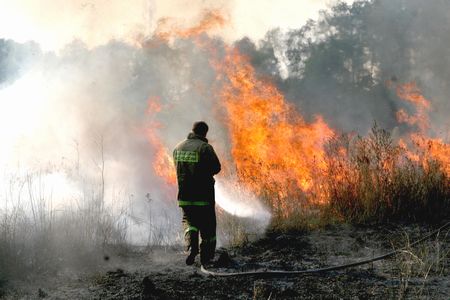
(196, 164)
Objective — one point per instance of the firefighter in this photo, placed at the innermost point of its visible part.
(196, 164)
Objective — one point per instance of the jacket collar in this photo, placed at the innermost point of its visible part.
(192, 136)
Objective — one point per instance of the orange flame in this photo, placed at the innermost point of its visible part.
(163, 165)
(274, 150)
(434, 148)
(427, 147)
(162, 161)
(411, 93)
(167, 30)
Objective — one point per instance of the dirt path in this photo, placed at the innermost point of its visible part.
(421, 272)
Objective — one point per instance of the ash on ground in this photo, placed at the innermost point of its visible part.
(159, 273)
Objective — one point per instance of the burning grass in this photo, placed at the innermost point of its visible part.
(368, 180)
(297, 167)
(372, 179)
(305, 172)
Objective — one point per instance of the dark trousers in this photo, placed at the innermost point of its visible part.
(200, 220)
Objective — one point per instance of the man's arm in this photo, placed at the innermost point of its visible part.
(211, 160)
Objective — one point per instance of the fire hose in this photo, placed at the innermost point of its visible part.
(325, 269)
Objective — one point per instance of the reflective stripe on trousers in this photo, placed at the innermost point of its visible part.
(200, 220)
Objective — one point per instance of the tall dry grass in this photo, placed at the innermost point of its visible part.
(367, 179)
(415, 267)
(372, 179)
(43, 234)
(37, 238)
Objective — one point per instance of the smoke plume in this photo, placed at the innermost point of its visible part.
(92, 117)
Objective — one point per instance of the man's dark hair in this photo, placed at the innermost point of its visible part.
(200, 128)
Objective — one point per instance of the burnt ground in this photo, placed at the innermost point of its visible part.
(421, 272)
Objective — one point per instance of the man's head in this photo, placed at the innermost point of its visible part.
(200, 128)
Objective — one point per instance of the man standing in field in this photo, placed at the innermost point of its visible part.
(196, 164)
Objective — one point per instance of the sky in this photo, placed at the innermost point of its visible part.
(55, 23)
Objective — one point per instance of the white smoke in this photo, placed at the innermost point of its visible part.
(53, 23)
(78, 122)
(77, 119)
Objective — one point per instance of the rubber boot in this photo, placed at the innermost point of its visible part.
(207, 252)
(193, 246)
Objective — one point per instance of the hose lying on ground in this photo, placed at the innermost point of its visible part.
(326, 269)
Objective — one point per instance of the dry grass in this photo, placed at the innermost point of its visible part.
(368, 179)
(237, 231)
(38, 239)
(371, 179)
(420, 263)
